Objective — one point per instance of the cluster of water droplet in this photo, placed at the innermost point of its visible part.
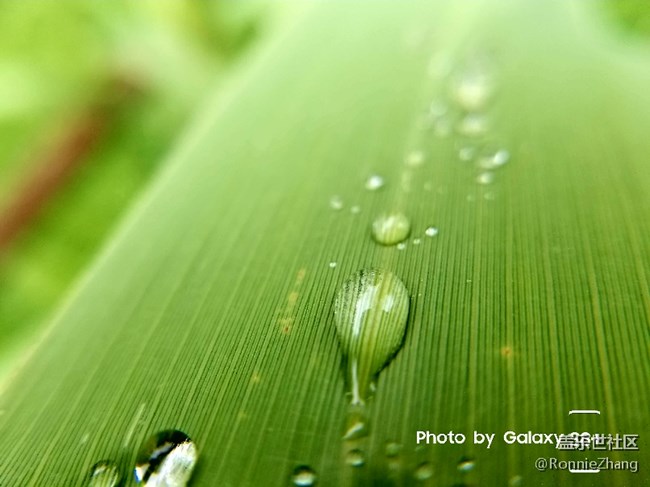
(167, 459)
(466, 109)
(472, 89)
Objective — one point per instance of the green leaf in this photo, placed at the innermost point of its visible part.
(210, 310)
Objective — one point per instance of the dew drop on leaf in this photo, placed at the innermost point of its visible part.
(472, 125)
(167, 459)
(431, 232)
(303, 476)
(423, 471)
(374, 182)
(370, 312)
(391, 228)
(355, 458)
(466, 465)
(392, 449)
(105, 473)
(485, 178)
(472, 90)
(336, 203)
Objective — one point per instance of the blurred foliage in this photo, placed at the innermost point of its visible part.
(633, 15)
(56, 61)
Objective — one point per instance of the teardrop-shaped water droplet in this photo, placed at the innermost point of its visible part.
(167, 459)
(423, 471)
(303, 476)
(370, 311)
(391, 228)
(105, 473)
(355, 458)
(374, 182)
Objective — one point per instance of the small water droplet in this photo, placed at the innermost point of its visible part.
(516, 481)
(414, 158)
(494, 159)
(416, 241)
(401, 246)
(167, 459)
(105, 473)
(370, 312)
(431, 232)
(391, 228)
(428, 186)
(355, 458)
(466, 153)
(392, 449)
(332, 265)
(374, 182)
(424, 471)
(472, 125)
(485, 178)
(466, 465)
(303, 476)
(472, 89)
(336, 203)
(355, 209)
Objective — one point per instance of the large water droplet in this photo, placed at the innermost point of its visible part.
(303, 476)
(424, 471)
(370, 311)
(105, 474)
(391, 228)
(167, 459)
(355, 458)
(374, 182)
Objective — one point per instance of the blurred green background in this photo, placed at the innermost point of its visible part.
(92, 96)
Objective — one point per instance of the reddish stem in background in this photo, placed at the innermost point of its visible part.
(58, 164)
